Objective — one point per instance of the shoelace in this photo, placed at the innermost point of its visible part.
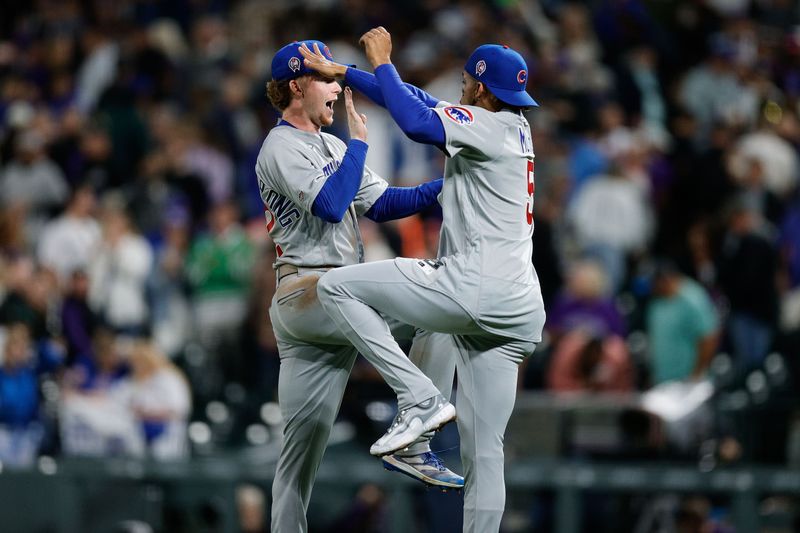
(397, 420)
(431, 459)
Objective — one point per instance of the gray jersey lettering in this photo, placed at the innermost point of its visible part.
(292, 167)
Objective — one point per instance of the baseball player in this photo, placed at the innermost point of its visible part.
(483, 289)
(314, 187)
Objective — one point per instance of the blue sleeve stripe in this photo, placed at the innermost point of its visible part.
(367, 84)
(342, 186)
(418, 121)
(399, 202)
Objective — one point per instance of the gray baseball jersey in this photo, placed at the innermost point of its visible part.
(483, 286)
(316, 357)
(486, 235)
(292, 167)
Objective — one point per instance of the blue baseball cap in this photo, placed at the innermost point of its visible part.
(288, 64)
(503, 71)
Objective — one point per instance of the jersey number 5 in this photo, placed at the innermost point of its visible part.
(529, 206)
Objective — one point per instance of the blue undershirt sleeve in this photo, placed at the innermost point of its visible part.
(399, 202)
(418, 121)
(366, 84)
(342, 186)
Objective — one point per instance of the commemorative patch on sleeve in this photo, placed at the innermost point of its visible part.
(459, 115)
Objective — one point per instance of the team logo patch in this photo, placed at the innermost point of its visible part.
(294, 64)
(480, 67)
(522, 76)
(460, 115)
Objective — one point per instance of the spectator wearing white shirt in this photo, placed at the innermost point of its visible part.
(612, 218)
(777, 157)
(118, 272)
(68, 242)
(160, 400)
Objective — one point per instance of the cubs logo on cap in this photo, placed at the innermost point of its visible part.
(507, 77)
(294, 64)
(460, 115)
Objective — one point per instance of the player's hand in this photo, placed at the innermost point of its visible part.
(357, 123)
(315, 60)
(378, 45)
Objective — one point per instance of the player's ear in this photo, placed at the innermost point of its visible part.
(480, 90)
(295, 88)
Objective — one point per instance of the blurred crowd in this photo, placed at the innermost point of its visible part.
(136, 271)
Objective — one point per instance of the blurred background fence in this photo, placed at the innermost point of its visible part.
(610, 485)
(214, 495)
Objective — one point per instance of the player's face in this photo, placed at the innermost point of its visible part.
(469, 89)
(319, 95)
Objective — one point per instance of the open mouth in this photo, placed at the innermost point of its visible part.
(329, 104)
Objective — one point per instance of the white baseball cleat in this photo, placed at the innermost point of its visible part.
(411, 423)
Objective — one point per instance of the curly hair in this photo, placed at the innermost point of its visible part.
(279, 94)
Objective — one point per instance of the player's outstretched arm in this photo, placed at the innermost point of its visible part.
(418, 121)
(341, 187)
(364, 82)
(400, 202)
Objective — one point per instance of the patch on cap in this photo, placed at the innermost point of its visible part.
(480, 67)
(294, 64)
(522, 76)
(459, 115)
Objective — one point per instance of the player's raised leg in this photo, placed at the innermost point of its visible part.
(309, 411)
(355, 297)
(487, 383)
(299, 320)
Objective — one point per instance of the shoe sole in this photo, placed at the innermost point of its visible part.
(445, 415)
(393, 465)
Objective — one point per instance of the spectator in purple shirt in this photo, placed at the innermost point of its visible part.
(77, 318)
(100, 367)
(585, 304)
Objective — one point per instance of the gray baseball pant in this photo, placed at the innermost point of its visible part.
(316, 359)
(358, 298)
